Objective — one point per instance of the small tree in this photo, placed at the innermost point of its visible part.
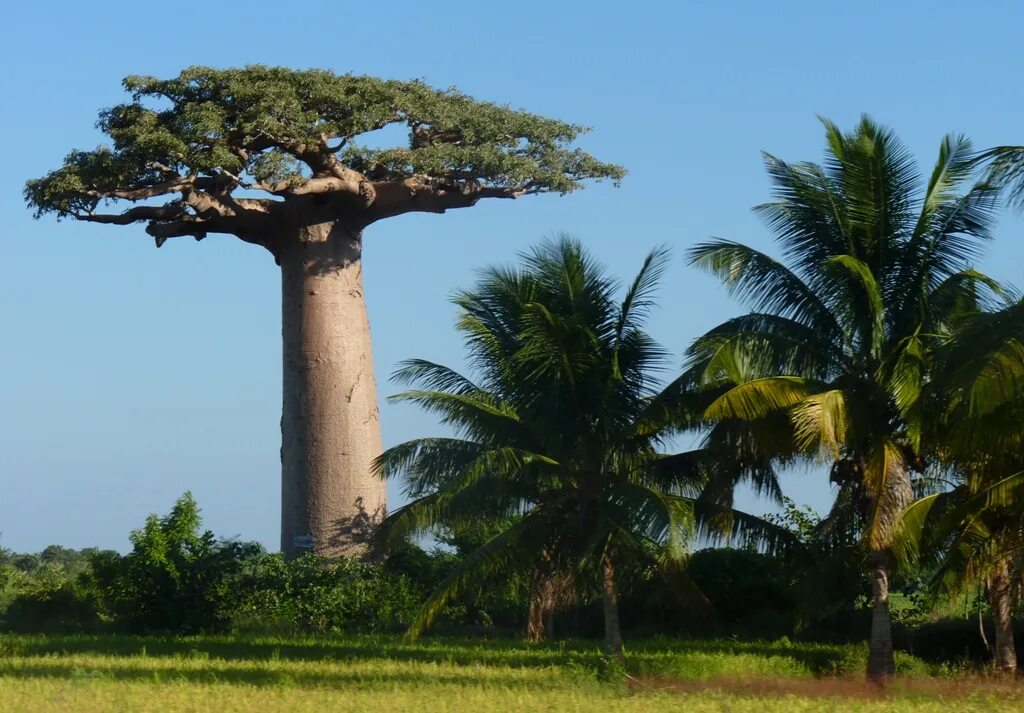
(177, 576)
(273, 157)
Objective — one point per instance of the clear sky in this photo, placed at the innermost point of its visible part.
(128, 374)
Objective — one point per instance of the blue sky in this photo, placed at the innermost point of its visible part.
(128, 374)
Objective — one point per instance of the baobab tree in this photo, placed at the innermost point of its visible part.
(281, 159)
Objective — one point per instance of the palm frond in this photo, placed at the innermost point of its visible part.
(769, 345)
(808, 217)
(639, 297)
(983, 365)
(888, 486)
(919, 528)
(442, 457)
(513, 550)
(959, 297)
(1006, 493)
(879, 180)
(476, 414)
(1006, 170)
(821, 423)
(764, 283)
(759, 398)
(960, 231)
(954, 166)
(665, 520)
(734, 527)
(434, 377)
(867, 307)
(904, 376)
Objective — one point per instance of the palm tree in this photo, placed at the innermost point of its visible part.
(562, 426)
(840, 334)
(974, 533)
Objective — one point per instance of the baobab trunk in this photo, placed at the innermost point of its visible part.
(330, 426)
(881, 664)
(1001, 596)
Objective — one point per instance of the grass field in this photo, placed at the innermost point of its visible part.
(386, 674)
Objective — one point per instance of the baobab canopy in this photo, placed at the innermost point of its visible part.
(230, 148)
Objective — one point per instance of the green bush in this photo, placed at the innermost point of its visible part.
(179, 578)
(68, 608)
(316, 595)
(12, 581)
(955, 641)
(176, 578)
(42, 595)
(749, 591)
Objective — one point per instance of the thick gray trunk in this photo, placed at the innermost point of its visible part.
(610, 601)
(881, 664)
(330, 427)
(1001, 596)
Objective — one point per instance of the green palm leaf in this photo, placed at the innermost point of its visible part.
(759, 398)
(512, 550)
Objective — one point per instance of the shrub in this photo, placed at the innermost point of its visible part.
(749, 591)
(955, 640)
(69, 608)
(312, 594)
(176, 578)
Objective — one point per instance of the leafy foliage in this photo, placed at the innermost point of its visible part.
(971, 535)
(213, 137)
(841, 337)
(1006, 168)
(558, 428)
(308, 594)
(175, 578)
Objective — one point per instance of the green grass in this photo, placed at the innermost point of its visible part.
(385, 673)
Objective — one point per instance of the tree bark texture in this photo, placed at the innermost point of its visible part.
(881, 664)
(545, 592)
(330, 425)
(1001, 597)
(890, 491)
(610, 602)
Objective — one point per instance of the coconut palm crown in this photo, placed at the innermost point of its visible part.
(973, 534)
(875, 270)
(563, 426)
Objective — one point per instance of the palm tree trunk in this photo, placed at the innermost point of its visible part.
(541, 611)
(612, 631)
(881, 664)
(1001, 598)
(890, 495)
